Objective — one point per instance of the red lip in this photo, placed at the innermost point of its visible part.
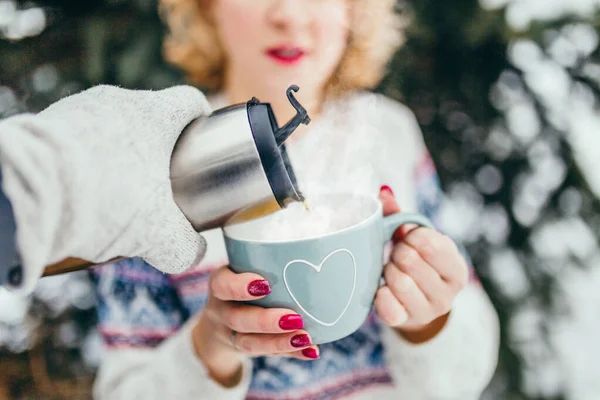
(286, 55)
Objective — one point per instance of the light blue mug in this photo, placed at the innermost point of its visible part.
(330, 280)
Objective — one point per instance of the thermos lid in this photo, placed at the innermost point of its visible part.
(270, 138)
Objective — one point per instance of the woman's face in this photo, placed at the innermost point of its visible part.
(271, 44)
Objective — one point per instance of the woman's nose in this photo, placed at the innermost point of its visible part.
(285, 14)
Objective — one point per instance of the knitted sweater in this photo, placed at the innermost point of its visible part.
(358, 143)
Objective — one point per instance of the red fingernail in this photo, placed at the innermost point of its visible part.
(291, 322)
(310, 353)
(386, 188)
(259, 288)
(398, 235)
(300, 341)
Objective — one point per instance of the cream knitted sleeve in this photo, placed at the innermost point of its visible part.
(89, 177)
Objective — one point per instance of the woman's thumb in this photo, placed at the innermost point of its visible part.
(390, 206)
(388, 201)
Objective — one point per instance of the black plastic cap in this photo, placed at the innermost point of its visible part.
(273, 157)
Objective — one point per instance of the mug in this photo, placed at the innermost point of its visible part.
(330, 280)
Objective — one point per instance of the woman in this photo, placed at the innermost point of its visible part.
(434, 333)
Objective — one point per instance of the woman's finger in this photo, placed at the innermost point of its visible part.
(310, 353)
(389, 308)
(253, 319)
(409, 261)
(226, 285)
(257, 344)
(408, 294)
(436, 249)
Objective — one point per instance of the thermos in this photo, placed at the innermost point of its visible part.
(235, 159)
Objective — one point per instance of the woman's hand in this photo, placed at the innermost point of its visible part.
(228, 329)
(425, 274)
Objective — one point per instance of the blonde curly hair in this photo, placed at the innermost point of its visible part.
(376, 32)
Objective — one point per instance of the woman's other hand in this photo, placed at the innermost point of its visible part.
(229, 329)
(423, 277)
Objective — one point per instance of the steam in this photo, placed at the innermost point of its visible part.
(342, 155)
(337, 154)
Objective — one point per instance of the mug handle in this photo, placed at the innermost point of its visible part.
(395, 221)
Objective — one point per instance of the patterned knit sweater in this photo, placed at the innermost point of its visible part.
(358, 143)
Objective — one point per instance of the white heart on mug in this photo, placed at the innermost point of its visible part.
(318, 269)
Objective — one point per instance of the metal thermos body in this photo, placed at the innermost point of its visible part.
(216, 169)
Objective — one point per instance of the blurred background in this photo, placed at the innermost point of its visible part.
(506, 92)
